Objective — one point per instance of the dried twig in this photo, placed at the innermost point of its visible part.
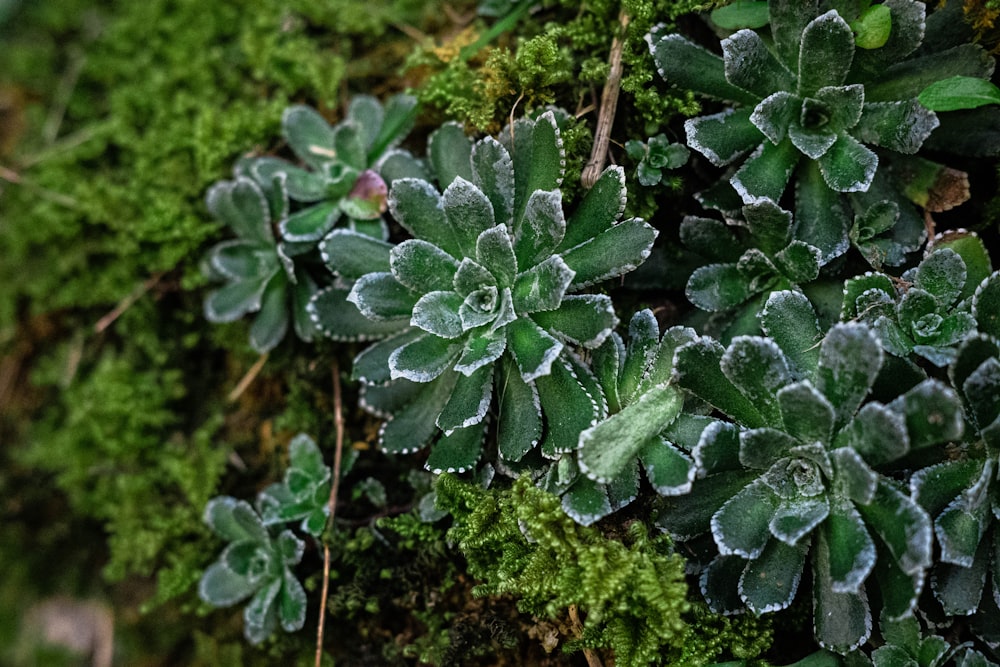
(127, 302)
(338, 424)
(250, 376)
(609, 104)
(574, 618)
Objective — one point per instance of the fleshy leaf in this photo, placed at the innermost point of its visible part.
(271, 323)
(519, 426)
(411, 428)
(380, 297)
(242, 206)
(542, 286)
(901, 126)
(586, 501)
(669, 470)
(468, 213)
(769, 583)
(495, 252)
(437, 313)
(758, 368)
(481, 349)
(542, 227)
(790, 321)
(423, 359)
(959, 92)
(765, 174)
(740, 527)
(599, 210)
(234, 300)
(493, 173)
(805, 413)
(902, 525)
(750, 65)
(422, 266)
(612, 253)
(717, 287)
(986, 305)
(338, 319)
(308, 134)
(697, 369)
(850, 358)
(469, 401)
(826, 53)
(850, 552)
(533, 348)
(418, 207)
(842, 620)
(848, 166)
(584, 319)
(351, 255)
(688, 66)
(569, 409)
(456, 452)
(725, 136)
(449, 151)
(796, 518)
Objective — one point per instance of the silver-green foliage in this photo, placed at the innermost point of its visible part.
(799, 473)
(489, 293)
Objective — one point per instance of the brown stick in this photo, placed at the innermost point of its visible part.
(338, 424)
(126, 303)
(574, 617)
(250, 376)
(609, 104)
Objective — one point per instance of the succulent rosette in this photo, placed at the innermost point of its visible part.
(820, 108)
(487, 294)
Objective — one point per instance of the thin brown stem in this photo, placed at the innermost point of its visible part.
(574, 618)
(250, 376)
(126, 303)
(338, 452)
(609, 105)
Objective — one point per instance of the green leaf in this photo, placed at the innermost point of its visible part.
(877, 433)
(396, 122)
(769, 224)
(568, 409)
(853, 477)
(902, 525)
(758, 368)
(959, 530)
(986, 305)
(848, 166)
(612, 253)
(437, 313)
(712, 239)
(380, 297)
(493, 173)
(418, 207)
(908, 78)
(850, 358)
(901, 126)
(291, 603)
(271, 323)
(241, 205)
(942, 274)
(873, 27)
(607, 448)
(972, 251)
(349, 145)
(585, 319)
(826, 53)
(351, 255)
(308, 135)
(586, 501)
(769, 583)
(600, 208)
(788, 19)
(542, 286)
(340, 320)
(821, 219)
(720, 584)
(539, 160)
(450, 151)
(541, 228)
(790, 320)
(661, 369)
(766, 172)
(480, 349)
(850, 552)
(717, 287)
(796, 518)
(740, 527)
(411, 427)
(689, 515)
(234, 520)
(469, 402)
(959, 92)
(760, 448)
(750, 65)
(669, 470)
(422, 266)
(805, 413)
(468, 213)
(495, 252)
(239, 260)
(456, 452)
(742, 14)
(697, 369)
(723, 137)
(718, 449)
(233, 301)
(533, 348)
(221, 587)
(933, 414)
(423, 359)
(958, 588)
(814, 144)
(775, 115)
(688, 66)
(519, 424)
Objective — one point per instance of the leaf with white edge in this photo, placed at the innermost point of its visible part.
(493, 173)
(586, 501)
(959, 589)
(238, 260)
(624, 488)
(660, 369)
(669, 470)
(568, 407)
(422, 266)
(308, 135)
(291, 604)
(888, 33)
(976, 349)
(469, 402)
(338, 319)
(351, 255)
(471, 277)
(805, 413)
(788, 19)
(449, 151)
(423, 359)
(643, 339)
(519, 425)
(468, 213)
(749, 14)
(718, 449)
(877, 433)
(933, 414)
(942, 274)
(796, 518)
(851, 550)
(789, 319)
(758, 368)
(380, 297)
(719, 583)
(907, 79)
(697, 369)
(769, 583)
(385, 400)
(234, 520)
(612, 253)
(234, 300)
(482, 307)
(800, 262)
(542, 227)
(397, 163)
(533, 348)
(349, 144)
(982, 393)
(396, 122)
(770, 226)
(688, 66)
(821, 220)
(850, 358)
(302, 293)
(242, 206)
(599, 210)
(855, 287)
(689, 515)
(480, 350)
(607, 448)
(986, 305)
(298, 183)
(842, 620)
(725, 136)
(741, 526)
(539, 160)
(848, 166)
(712, 239)
(717, 287)
(826, 53)
(271, 323)
(899, 591)
(437, 313)
(959, 530)
(542, 286)
(902, 525)
(584, 319)
(495, 252)
(765, 174)
(901, 126)
(371, 366)
(606, 363)
(750, 65)
(775, 114)
(456, 452)
(812, 143)
(418, 207)
(760, 448)
(853, 477)
(412, 427)
(959, 92)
